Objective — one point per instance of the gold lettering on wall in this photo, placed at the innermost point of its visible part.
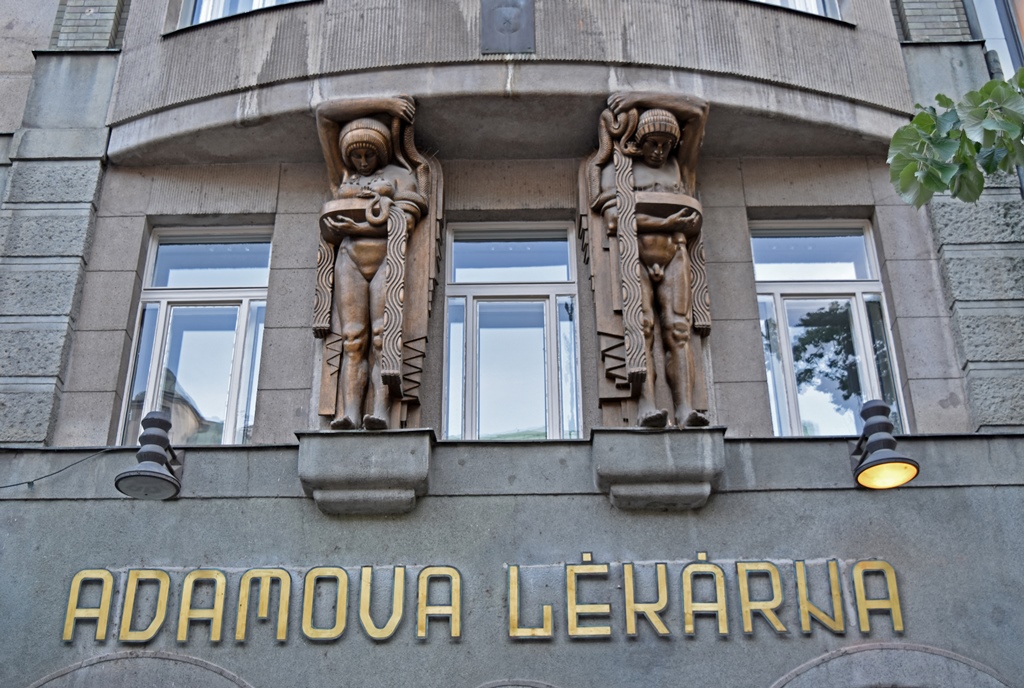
(890, 603)
(574, 609)
(766, 608)
(264, 577)
(340, 607)
(101, 613)
(807, 609)
(650, 610)
(515, 630)
(135, 576)
(397, 603)
(691, 608)
(214, 614)
(453, 611)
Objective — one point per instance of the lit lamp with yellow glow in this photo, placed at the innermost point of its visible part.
(876, 463)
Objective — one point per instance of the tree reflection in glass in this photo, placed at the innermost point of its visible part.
(826, 365)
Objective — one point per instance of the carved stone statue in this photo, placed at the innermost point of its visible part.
(649, 275)
(374, 275)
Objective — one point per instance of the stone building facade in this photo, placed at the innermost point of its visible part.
(150, 141)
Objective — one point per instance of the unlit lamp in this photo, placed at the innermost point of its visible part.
(876, 463)
(158, 474)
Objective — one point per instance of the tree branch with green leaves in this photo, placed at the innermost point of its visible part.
(951, 148)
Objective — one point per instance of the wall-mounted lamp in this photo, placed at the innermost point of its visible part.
(158, 475)
(876, 463)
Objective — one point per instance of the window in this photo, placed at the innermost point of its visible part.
(823, 326)
(1001, 28)
(823, 8)
(199, 336)
(199, 11)
(511, 363)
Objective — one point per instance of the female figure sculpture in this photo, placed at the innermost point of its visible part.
(379, 185)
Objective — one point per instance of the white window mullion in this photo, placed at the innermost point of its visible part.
(471, 365)
(238, 353)
(554, 401)
(156, 363)
(788, 365)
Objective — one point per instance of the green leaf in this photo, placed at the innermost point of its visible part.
(942, 148)
(925, 121)
(993, 124)
(1006, 99)
(911, 190)
(968, 184)
(989, 158)
(947, 122)
(945, 101)
(971, 117)
(906, 139)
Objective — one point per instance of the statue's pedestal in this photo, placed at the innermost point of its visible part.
(362, 472)
(659, 470)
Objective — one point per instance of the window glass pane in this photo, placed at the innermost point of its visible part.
(510, 357)
(212, 265)
(140, 378)
(777, 397)
(824, 8)
(826, 366)
(568, 367)
(802, 258)
(197, 372)
(883, 360)
(514, 260)
(250, 373)
(456, 368)
(207, 10)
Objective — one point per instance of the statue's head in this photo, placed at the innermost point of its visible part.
(657, 133)
(365, 145)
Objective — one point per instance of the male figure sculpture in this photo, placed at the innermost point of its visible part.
(643, 184)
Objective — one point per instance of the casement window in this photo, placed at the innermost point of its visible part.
(200, 330)
(199, 11)
(512, 352)
(826, 337)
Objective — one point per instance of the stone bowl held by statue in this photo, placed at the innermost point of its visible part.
(665, 203)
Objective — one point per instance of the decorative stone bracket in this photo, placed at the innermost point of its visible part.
(671, 470)
(358, 473)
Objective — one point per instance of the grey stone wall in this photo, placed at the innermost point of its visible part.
(983, 265)
(85, 24)
(46, 216)
(933, 21)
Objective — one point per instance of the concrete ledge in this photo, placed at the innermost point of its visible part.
(365, 472)
(671, 470)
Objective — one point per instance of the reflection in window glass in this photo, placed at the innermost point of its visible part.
(826, 366)
(773, 365)
(823, 8)
(196, 377)
(568, 368)
(883, 360)
(208, 10)
(250, 373)
(503, 262)
(829, 257)
(212, 265)
(512, 403)
(140, 377)
(456, 368)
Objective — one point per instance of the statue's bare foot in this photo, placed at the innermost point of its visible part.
(371, 422)
(653, 419)
(697, 419)
(343, 423)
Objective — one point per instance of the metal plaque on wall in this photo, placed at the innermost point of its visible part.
(506, 26)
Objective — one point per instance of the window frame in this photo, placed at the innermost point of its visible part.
(856, 290)
(474, 293)
(167, 298)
